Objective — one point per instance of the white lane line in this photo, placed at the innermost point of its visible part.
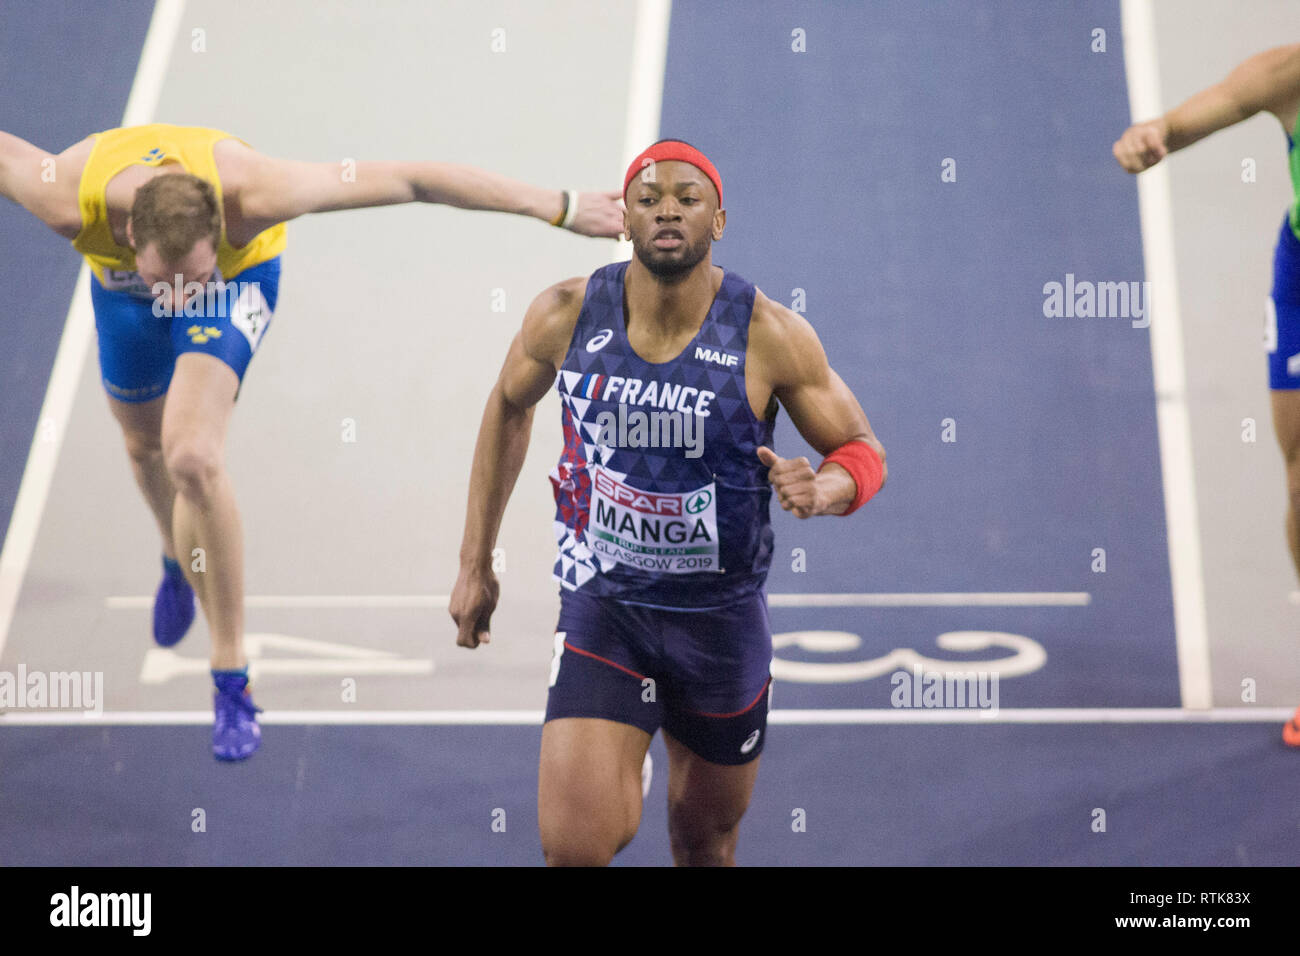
(139, 601)
(1172, 420)
(38, 474)
(78, 330)
(494, 718)
(645, 94)
(135, 602)
(936, 599)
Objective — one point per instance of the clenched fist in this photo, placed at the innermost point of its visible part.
(799, 489)
(1142, 145)
(473, 600)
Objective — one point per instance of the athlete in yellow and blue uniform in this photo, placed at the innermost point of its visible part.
(183, 229)
(137, 349)
(1268, 81)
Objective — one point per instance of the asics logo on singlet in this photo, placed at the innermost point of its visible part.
(599, 340)
(750, 742)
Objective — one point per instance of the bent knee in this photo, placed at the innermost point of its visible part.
(584, 839)
(143, 447)
(1293, 480)
(193, 467)
(702, 838)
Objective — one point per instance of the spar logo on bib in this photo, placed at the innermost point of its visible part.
(668, 533)
(698, 502)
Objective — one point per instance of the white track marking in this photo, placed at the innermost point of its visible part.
(1172, 418)
(936, 599)
(922, 599)
(78, 330)
(137, 602)
(506, 718)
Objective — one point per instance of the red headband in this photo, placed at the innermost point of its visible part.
(674, 149)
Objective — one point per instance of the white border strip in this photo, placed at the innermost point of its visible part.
(936, 599)
(645, 96)
(78, 330)
(1172, 418)
(500, 718)
(137, 602)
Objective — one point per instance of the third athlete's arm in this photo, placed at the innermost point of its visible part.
(1266, 81)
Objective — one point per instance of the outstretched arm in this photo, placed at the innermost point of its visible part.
(27, 178)
(1267, 81)
(791, 360)
(272, 191)
(529, 370)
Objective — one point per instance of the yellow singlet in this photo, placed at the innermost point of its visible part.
(116, 149)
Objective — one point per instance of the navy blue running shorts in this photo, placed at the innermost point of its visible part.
(703, 676)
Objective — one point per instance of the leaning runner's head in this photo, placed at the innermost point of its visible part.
(174, 228)
(674, 208)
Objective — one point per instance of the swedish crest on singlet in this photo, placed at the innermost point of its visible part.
(660, 497)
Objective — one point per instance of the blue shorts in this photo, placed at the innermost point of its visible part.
(704, 676)
(1282, 331)
(138, 348)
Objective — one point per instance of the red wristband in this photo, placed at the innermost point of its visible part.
(861, 461)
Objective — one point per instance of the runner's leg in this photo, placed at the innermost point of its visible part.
(195, 421)
(589, 789)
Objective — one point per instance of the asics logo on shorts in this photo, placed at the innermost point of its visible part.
(599, 340)
(750, 742)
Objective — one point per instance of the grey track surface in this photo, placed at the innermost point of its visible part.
(385, 318)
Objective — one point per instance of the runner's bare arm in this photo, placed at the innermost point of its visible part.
(1266, 81)
(29, 177)
(788, 356)
(272, 191)
(529, 371)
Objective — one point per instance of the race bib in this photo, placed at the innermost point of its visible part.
(128, 282)
(667, 533)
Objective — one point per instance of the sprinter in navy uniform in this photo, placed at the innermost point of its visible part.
(670, 371)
